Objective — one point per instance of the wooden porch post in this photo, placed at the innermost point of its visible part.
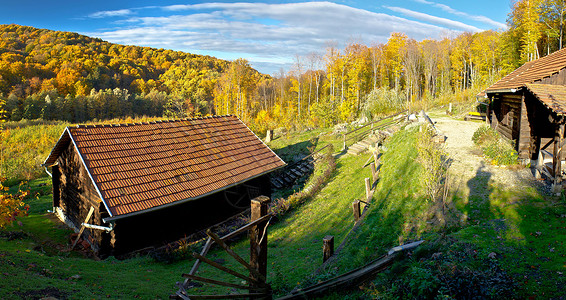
(258, 236)
(557, 155)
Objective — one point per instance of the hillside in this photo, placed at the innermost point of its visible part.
(499, 235)
(68, 67)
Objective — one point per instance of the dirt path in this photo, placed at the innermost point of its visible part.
(469, 171)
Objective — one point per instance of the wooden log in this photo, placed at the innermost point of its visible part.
(368, 188)
(327, 247)
(229, 296)
(356, 210)
(258, 241)
(216, 282)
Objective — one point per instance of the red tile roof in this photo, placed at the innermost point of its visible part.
(140, 166)
(531, 72)
(552, 96)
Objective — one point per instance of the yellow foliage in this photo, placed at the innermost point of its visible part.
(11, 206)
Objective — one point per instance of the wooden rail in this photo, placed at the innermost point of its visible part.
(361, 132)
(351, 279)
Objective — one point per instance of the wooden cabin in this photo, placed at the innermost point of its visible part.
(152, 183)
(528, 107)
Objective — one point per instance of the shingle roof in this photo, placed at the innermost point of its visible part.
(136, 167)
(552, 96)
(531, 71)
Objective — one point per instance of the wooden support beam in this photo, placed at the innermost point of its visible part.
(83, 227)
(356, 210)
(234, 255)
(224, 269)
(258, 241)
(557, 156)
(327, 247)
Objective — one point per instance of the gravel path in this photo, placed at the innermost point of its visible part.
(469, 171)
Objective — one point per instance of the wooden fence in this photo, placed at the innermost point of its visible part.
(257, 281)
(359, 133)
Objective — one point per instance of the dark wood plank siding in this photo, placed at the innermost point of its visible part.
(78, 194)
(506, 115)
(555, 79)
(524, 144)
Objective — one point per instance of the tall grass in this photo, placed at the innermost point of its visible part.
(24, 149)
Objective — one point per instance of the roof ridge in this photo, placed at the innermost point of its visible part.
(150, 122)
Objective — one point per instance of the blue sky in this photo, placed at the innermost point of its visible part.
(269, 33)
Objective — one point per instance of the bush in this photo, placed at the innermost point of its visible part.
(11, 206)
(499, 151)
(383, 101)
(324, 168)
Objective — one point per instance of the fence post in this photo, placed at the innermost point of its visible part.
(356, 209)
(375, 158)
(258, 237)
(327, 247)
(344, 146)
(368, 188)
(373, 171)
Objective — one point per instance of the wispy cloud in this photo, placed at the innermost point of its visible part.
(263, 32)
(111, 13)
(433, 19)
(448, 9)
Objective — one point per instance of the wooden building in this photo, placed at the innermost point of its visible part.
(151, 183)
(528, 106)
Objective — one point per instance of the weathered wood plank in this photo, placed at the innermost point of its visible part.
(234, 255)
(224, 269)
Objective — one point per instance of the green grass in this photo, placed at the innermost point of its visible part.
(522, 226)
(294, 248)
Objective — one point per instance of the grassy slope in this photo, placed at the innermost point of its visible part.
(295, 247)
(524, 228)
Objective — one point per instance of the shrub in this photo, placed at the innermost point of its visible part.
(11, 206)
(383, 101)
(324, 168)
(499, 151)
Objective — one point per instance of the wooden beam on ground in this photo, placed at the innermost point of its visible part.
(83, 227)
(351, 279)
(229, 296)
(216, 282)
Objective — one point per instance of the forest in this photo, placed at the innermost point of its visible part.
(65, 76)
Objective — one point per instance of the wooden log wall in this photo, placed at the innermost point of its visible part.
(555, 79)
(78, 195)
(524, 143)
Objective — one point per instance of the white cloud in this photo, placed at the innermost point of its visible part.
(434, 19)
(262, 32)
(111, 13)
(448, 9)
